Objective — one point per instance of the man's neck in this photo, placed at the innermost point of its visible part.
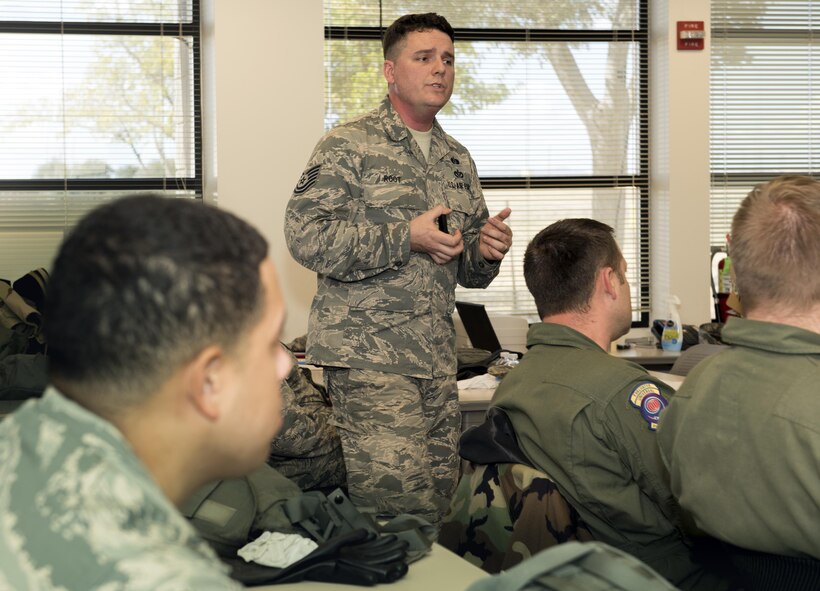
(586, 324)
(805, 319)
(157, 435)
(420, 121)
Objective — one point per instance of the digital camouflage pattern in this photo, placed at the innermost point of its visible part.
(502, 514)
(378, 305)
(399, 436)
(307, 449)
(78, 510)
(381, 308)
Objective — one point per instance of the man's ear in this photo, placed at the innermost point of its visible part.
(387, 70)
(610, 282)
(205, 382)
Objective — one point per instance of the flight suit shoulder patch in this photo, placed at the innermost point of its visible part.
(647, 398)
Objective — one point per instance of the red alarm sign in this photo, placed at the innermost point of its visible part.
(691, 35)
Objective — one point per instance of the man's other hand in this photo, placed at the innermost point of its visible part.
(495, 238)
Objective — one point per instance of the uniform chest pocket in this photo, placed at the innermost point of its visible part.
(462, 206)
(392, 202)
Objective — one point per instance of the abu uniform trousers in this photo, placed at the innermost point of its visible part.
(399, 436)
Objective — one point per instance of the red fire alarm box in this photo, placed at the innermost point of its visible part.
(691, 35)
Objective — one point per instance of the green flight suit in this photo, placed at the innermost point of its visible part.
(742, 439)
(588, 419)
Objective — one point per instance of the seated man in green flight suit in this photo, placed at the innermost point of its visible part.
(742, 438)
(588, 419)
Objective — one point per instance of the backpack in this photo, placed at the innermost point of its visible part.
(353, 548)
(229, 513)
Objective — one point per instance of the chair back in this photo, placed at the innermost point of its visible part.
(759, 571)
(694, 355)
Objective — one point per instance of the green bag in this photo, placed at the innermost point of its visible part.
(229, 513)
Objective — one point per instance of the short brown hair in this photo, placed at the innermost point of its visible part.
(563, 260)
(775, 244)
(410, 23)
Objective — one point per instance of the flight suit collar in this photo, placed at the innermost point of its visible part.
(770, 336)
(549, 333)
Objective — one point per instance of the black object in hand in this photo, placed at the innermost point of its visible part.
(442, 223)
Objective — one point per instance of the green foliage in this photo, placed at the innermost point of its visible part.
(353, 68)
(355, 83)
(99, 169)
(130, 94)
(499, 14)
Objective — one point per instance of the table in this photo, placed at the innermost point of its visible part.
(441, 569)
(473, 404)
(649, 357)
(671, 379)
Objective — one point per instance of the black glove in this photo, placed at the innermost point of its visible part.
(358, 557)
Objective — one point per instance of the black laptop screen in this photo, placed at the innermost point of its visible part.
(478, 326)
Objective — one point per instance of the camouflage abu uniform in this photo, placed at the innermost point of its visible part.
(307, 449)
(78, 510)
(382, 311)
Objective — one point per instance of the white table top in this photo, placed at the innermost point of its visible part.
(441, 569)
(647, 356)
(673, 380)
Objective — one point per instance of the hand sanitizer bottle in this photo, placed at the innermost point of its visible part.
(672, 335)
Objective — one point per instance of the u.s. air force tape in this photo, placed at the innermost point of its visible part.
(307, 179)
(647, 397)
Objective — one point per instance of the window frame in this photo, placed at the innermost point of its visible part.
(190, 29)
(640, 181)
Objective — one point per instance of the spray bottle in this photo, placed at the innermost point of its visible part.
(672, 336)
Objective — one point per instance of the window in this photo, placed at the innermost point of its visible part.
(764, 111)
(100, 99)
(552, 104)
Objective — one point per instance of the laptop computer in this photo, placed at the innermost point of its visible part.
(479, 328)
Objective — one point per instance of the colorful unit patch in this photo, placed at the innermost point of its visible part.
(307, 179)
(648, 398)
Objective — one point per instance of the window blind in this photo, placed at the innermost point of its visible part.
(100, 100)
(764, 99)
(552, 105)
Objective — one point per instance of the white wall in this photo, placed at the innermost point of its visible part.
(679, 123)
(269, 111)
